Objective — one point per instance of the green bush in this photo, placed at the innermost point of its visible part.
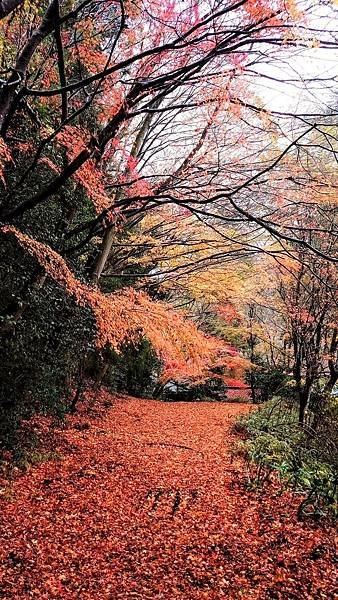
(40, 353)
(135, 370)
(213, 389)
(304, 459)
(267, 382)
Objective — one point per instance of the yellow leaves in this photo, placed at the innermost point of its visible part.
(139, 249)
(211, 285)
(195, 253)
(32, 6)
(293, 9)
(46, 130)
(2, 45)
(314, 43)
(68, 5)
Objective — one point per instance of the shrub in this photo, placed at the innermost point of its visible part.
(135, 370)
(40, 353)
(303, 459)
(267, 382)
(213, 389)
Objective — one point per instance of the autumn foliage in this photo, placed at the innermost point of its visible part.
(130, 138)
(144, 499)
(168, 230)
(125, 317)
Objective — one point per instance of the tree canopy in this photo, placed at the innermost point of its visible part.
(152, 191)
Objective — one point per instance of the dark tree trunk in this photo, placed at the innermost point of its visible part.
(303, 401)
(304, 396)
(333, 362)
(7, 6)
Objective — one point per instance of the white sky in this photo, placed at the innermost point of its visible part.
(313, 63)
(306, 63)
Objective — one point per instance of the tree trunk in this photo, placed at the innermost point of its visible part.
(304, 396)
(303, 400)
(333, 362)
(8, 6)
(20, 69)
(109, 235)
(102, 258)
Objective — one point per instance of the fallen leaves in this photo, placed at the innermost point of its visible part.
(148, 502)
(5, 157)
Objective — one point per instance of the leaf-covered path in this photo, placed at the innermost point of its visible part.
(147, 503)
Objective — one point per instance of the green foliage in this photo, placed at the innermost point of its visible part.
(234, 334)
(40, 352)
(44, 334)
(135, 370)
(303, 458)
(213, 389)
(268, 382)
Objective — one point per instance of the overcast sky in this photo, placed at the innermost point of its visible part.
(309, 63)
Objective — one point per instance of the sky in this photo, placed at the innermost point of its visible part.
(304, 64)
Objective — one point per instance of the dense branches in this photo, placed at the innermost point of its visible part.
(136, 151)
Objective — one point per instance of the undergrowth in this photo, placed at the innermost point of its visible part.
(305, 459)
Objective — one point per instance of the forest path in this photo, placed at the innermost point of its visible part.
(148, 502)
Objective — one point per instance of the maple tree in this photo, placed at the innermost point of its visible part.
(311, 313)
(184, 350)
(290, 318)
(142, 174)
(165, 227)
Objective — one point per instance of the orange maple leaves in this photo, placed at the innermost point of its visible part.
(5, 156)
(185, 351)
(89, 175)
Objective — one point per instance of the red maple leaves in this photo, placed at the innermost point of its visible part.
(145, 501)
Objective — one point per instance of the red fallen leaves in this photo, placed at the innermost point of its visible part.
(235, 383)
(238, 394)
(5, 156)
(147, 502)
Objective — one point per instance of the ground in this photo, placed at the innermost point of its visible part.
(146, 500)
